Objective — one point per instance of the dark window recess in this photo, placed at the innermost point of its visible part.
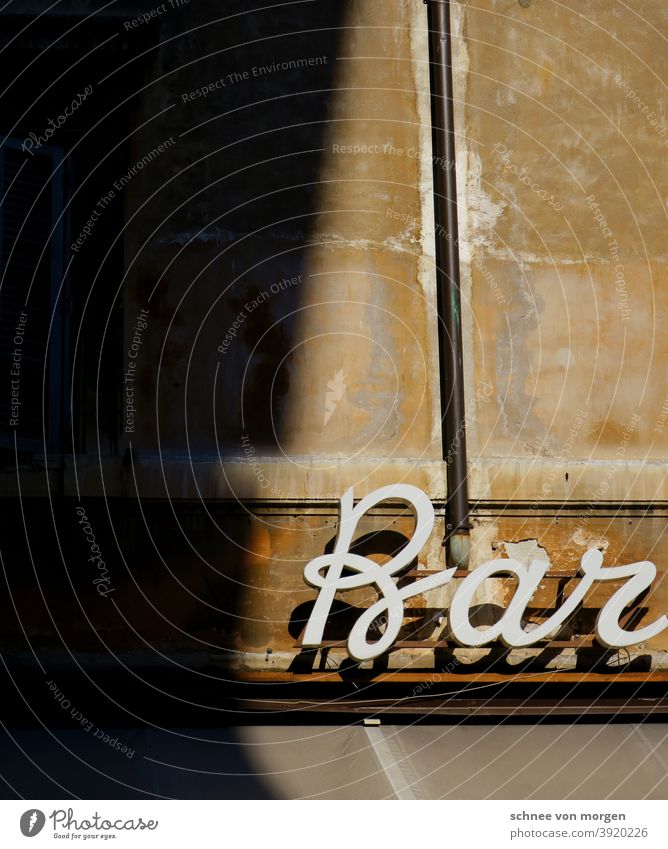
(31, 314)
(80, 393)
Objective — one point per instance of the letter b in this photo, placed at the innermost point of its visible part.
(366, 572)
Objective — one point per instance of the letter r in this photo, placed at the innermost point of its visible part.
(641, 576)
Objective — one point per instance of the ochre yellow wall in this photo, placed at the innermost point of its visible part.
(564, 223)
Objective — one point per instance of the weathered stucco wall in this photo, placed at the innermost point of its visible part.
(282, 252)
(563, 140)
(296, 304)
(561, 310)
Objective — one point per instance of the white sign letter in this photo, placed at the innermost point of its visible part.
(367, 572)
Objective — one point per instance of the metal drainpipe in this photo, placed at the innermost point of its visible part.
(448, 283)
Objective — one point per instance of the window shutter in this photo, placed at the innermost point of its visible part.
(31, 269)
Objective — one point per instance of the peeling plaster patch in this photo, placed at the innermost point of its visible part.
(515, 350)
(407, 235)
(392, 243)
(436, 475)
(419, 46)
(588, 541)
(460, 73)
(505, 96)
(525, 551)
(432, 557)
(433, 553)
(483, 536)
(463, 217)
(526, 258)
(460, 79)
(483, 211)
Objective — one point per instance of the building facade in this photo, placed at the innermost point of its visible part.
(232, 318)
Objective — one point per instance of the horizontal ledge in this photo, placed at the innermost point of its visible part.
(556, 574)
(263, 479)
(458, 706)
(540, 481)
(480, 678)
(579, 643)
(495, 484)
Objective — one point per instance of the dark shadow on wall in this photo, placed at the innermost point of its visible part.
(126, 601)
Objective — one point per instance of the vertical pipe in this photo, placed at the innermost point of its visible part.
(448, 279)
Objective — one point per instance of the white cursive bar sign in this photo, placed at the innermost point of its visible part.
(326, 573)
